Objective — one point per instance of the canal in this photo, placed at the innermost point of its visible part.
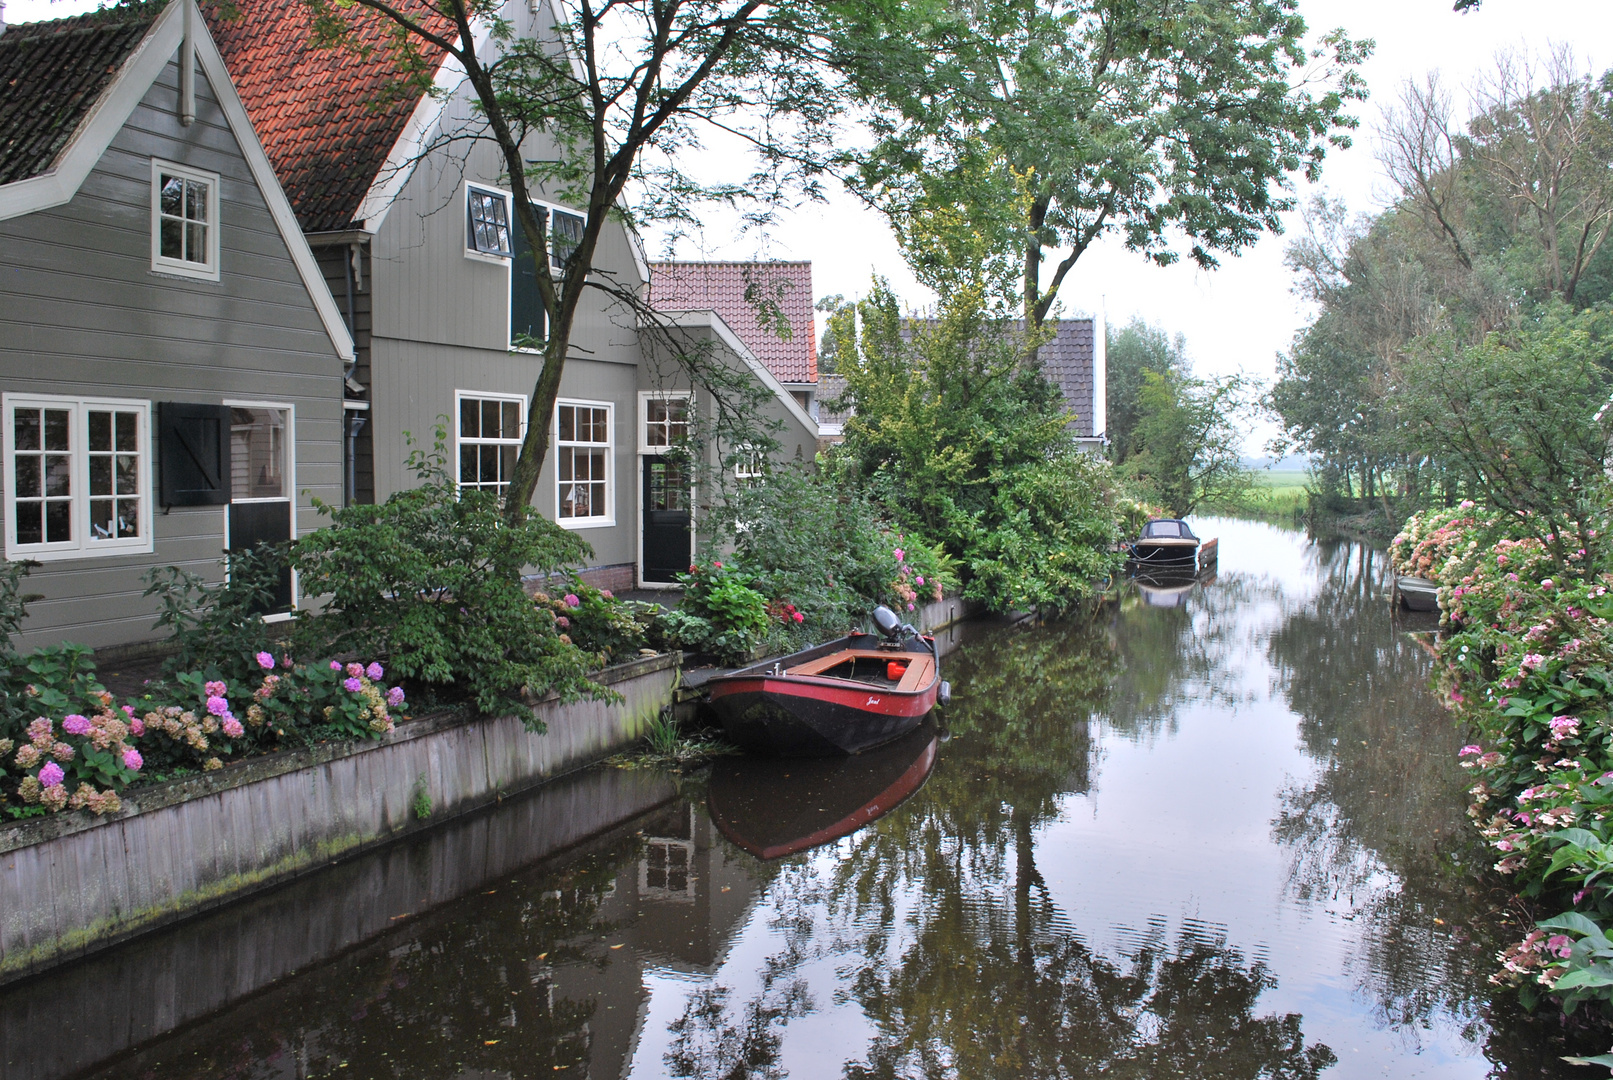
(1215, 833)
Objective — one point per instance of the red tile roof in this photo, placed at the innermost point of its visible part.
(734, 290)
(328, 117)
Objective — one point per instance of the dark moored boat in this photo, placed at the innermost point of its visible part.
(1417, 594)
(1166, 542)
(842, 697)
(779, 807)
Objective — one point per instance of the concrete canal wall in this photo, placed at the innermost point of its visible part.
(73, 883)
(112, 1002)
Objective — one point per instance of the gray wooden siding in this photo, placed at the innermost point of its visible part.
(81, 313)
(416, 384)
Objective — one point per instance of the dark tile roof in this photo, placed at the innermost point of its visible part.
(830, 412)
(723, 287)
(328, 117)
(51, 73)
(1067, 361)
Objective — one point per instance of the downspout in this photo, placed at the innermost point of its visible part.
(353, 410)
(187, 68)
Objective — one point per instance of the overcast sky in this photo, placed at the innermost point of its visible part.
(1237, 317)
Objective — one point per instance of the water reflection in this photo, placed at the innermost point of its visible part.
(1217, 838)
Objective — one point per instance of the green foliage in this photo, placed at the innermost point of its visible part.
(720, 614)
(420, 805)
(1008, 132)
(218, 627)
(431, 579)
(1187, 446)
(959, 439)
(596, 622)
(1131, 353)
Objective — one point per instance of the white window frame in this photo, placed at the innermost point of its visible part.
(290, 487)
(84, 546)
(179, 267)
(599, 521)
(464, 229)
(644, 399)
(483, 395)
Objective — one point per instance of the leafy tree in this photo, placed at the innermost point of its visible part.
(1522, 419)
(1010, 133)
(1132, 351)
(1188, 446)
(607, 106)
(951, 432)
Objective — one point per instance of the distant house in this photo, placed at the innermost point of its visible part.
(417, 238)
(767, 304)
(1074, 359)
(170, 358)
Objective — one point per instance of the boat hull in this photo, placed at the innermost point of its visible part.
(1417, 594)
(768, 712)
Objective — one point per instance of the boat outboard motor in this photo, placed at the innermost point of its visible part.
(887, 621)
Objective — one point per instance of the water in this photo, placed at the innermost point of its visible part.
(1219, 834)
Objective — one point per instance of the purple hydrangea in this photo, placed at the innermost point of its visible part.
(216, 689)
(375, 671)
(394, 696)
(51, 774)
(133, 760)
(265, 661)
(232, 727)
(352, 685)
(74, 724)
(336, 665)
(217, 705)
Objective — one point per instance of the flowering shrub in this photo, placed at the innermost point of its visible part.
(598, 623)
(77, 763)
(1529, 664)
(720, 614)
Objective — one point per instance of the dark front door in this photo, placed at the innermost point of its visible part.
(668, 542)
(260, 492)
(254, 524)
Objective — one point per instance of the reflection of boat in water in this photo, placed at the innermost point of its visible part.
(1417, 594)
(1165, 591)
(838, 698)
(1166, 542)
(776, 807)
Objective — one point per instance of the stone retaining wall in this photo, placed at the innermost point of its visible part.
(72, 883)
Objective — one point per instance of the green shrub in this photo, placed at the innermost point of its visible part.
(218, 628)
(596, 622)
(720, 614)
(431, 579)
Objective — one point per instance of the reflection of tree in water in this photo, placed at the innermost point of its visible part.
(1380, 827)
(1167, 657)
(953, 946)
(466, 988)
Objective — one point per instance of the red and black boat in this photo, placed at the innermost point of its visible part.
(773, 808)
(841, 697)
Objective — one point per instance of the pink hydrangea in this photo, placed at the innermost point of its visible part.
(1530, 662)
(216, 689)
(607, 594)
(137, 726)
(232, 727)
(910, 607)
(217, 705)
(40, 729)
(1564, 727)
(62, 752)
(572, 601)
(355, 670)
(132, 760)
(898, 553)
(1546, 583)
(1470, 749)
(562, 622)
(1466, 504)
(336, 665)
(51, 775)
(375, 671)
(128, 710)
(352, 685)
(74, 724)
(919, 579)
(265, 661)
(394, 696)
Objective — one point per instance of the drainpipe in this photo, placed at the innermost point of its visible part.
(354, 413)
(187, 68)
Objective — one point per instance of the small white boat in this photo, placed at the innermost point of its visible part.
(1416, 593)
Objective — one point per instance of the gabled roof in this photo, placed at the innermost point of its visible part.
(328, 117)
(51, 74)
(733, 290)
(101, 116)
(1067, 361)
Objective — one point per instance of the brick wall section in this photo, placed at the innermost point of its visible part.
(618, 577)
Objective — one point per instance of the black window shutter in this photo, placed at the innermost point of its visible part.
(193, 447)
(527, 317)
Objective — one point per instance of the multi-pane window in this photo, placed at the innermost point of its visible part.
(184, 221)
(565, 233)
(257, 453)
(666, 421)
(582, 447)
(488, 224)
(78, 479)
(489, 441)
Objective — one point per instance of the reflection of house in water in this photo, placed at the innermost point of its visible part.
(677, 907)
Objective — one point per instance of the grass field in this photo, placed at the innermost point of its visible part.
(1277, 495)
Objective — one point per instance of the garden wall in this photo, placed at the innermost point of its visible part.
(73, 883)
